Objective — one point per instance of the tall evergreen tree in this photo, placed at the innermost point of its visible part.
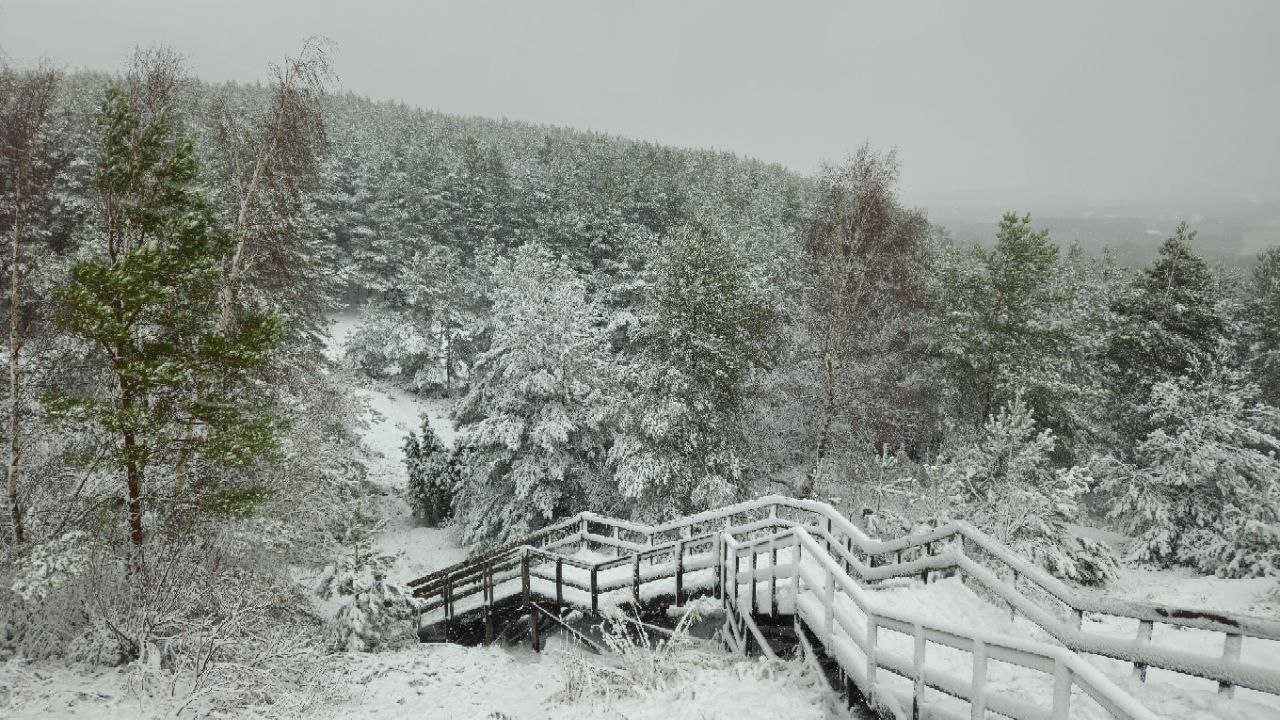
(532, 419)
(1263, 326)
(147, 301)
(1005, 331)
(1169, 325)
(703, 328)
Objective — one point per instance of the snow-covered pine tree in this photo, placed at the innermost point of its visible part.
(1204, 489)
(1168, 325)
(1262, 320)
(532, 421)
(701, 330)
(371, 609)
(1005, 330)
(432, 475)
(1004, 483)
(144, 296)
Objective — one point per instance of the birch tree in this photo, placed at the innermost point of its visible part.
(867, 260)
(26, 177)
(266, 164)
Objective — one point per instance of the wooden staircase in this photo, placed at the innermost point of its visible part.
(797, 575)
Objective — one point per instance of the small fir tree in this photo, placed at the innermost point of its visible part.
(1204, 489)
(432, 475)
(371, 607)
(1004, 483)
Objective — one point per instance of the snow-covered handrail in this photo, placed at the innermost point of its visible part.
(1067, 668)
(851, 544)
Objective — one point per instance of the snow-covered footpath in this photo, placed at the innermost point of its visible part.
(389, 416)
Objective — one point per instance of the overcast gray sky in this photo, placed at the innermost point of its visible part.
(1098, 100)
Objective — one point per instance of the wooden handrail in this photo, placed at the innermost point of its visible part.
(858, 553)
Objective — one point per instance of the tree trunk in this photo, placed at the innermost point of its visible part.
(824, 433)
(133, 471)
(15, 447)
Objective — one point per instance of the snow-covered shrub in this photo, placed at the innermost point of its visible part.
(50, 565)
(532, 419)
(372, 610)
(1205, 486)
(1004, 483)
(389, 345)
(433, 473)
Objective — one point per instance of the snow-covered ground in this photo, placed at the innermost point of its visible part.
(457, 683)
(390, 415)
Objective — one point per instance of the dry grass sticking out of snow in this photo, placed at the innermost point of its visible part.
(448, 682)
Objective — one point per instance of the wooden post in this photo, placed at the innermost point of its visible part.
(582, 533)
(753, 609)
(773, 578)
(447, 597)
(487, 579)
(917, 666)
(1230, 654)
(680, 573)
(873, 630)
(595, 593)
(1061, 691)
(534, 619)
(829, 625)
(635, 578)
(524, 577)
(720, 548)
(734, 574)
(978, 701)
(617, 551)
(1144, 639)
(559, 586)
(795, 584)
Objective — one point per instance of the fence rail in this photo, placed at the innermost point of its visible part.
(646, 554)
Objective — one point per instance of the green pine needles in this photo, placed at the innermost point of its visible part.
(180, 392)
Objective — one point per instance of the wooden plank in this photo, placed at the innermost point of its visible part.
(978, 691)
(1231, 645)
(1061, 709)
(1144, 639)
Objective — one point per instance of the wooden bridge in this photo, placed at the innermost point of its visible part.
(797, 572)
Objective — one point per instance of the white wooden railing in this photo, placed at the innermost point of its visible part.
(848, 622)
(646, 553)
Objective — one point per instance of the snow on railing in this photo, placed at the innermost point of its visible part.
(955, 546)
(822, 594)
